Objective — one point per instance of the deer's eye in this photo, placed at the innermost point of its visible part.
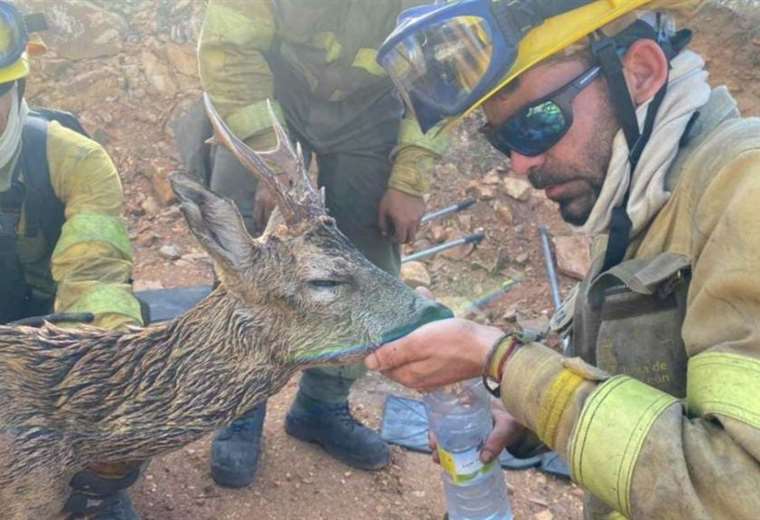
(324, 284)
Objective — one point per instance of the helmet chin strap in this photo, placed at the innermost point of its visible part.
(606, 51)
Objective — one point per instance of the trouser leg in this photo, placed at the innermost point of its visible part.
(191, 133)
(230, 179)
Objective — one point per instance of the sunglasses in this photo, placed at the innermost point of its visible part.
(541, 124)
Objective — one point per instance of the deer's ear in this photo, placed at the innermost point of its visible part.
(215, 222)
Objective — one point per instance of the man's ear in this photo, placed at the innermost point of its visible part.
(646, 70)
(216, 223)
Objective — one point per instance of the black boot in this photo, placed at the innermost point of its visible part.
(334, 428)
(235, 450)
(97, 497)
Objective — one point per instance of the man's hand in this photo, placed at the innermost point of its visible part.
(506, 431)
(400, 213)
(436, 354)
(263, 205)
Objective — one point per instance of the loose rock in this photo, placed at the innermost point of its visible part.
(150, 206)
(480, 190)
(518, 189)
(170, 252)
(162, 187)
(146, 239)
(158, 74)
(544, 515)
(505, 214)
(573, 255)
(522, 258)
(415, 274)
(438, 234)
(492, 177)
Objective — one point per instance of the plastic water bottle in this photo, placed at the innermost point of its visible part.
(460, 417)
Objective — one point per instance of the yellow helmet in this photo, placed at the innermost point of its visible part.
(15, 42)
(442, 76)
(18, 70)
(560, 32)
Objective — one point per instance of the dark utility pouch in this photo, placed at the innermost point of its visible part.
(13, 287)
(637, 310)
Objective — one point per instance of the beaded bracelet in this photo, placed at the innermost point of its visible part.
(501, 350)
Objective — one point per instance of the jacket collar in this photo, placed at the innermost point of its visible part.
(720, 108)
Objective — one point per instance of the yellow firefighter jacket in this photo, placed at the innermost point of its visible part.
(330, 47)
(89, 268)
(674, 432)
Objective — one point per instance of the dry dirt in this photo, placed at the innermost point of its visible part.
(127, 98)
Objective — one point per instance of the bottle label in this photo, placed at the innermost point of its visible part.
(463, 466)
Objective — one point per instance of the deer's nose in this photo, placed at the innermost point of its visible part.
(423, 311)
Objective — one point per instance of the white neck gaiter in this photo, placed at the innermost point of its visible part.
(10, 140)
(688, 90)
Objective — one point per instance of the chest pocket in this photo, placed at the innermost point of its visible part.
(632, 317)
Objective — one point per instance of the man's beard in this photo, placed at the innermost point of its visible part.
(572, 216)
(576, 208)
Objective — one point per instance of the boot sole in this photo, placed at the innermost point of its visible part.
(229, 479)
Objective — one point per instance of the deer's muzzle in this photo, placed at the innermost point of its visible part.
(427, 312)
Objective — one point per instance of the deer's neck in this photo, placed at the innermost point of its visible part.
(169, 384)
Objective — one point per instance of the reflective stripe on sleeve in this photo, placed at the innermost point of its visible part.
(724, 384)
(410, 134)
(94, 227)
(253, 119)
(609, 435)
(366, 59)
(109, 299)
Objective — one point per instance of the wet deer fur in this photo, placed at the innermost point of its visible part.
(300, 295)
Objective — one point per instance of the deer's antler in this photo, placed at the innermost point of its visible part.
(295, 195)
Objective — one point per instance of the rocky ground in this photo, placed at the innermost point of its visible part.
(128, 69)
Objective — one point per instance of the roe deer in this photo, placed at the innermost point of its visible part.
(300, 295)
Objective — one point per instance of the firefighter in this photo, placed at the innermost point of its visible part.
(316, 61)
(601, 105)
(63, 244)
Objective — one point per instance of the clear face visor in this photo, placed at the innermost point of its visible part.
(436, 69)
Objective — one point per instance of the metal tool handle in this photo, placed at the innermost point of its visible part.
(551, 272)
(484, 301)
(474, 238)
(460, 206)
